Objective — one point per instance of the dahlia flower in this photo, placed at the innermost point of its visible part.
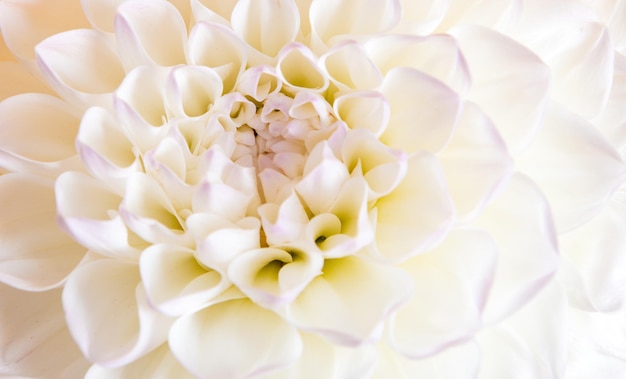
(336, 189)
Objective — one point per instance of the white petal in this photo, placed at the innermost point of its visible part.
(361, 295)
(364, 109)
(108, 314)
(192, 90)
(217, 11)
(421, 17)
(40, 142)
(88, 211)
(205, 39)
(527, 258)
(297, 68)
(240, 340)
(284, 223)
(417, 214)
(331, 18)
(266, 25)
(101, 13)
(436, 55)
(28, 209)
(509, 82)
(82, 66)
(260, 82)
(612, 119)
(16, 79)
(35, 341)
(150, 32)
(424, 111)
(476, 163)
(349, 67)
(451, 286)
(574, 165)
(159, 363)
(174, 281)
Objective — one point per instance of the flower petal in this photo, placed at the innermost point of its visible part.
(298, 69)
(234, 339)
(417, 214)
(527, 258)
(35, 341)
(266, 25)
(28, 209)
(82, 66)
(452, 282)
(364, 109)
(101, 13)
(17, 80)
(108, 314)
(150, 33)
(505, 72)
(192, 90)
(476, 163)
(424, 111)
(574, 165)
(358, 312)
(349, 67)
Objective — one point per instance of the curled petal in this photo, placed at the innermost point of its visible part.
(35, 340)
(424, 111)
(28, 209)
(216, 11)
(349, 67)
(175, 282)
(505, 72)
(150, 32)
(40, 142)
(191, 91)
(205, 39)
(297, 68)
(476, 163)
(527, 259)
(105, 290)
(260, 82)
(575, 166)
(273, 277)
(258, 341)
(101, 13)
(421, 17)
(266, 25)
(417, 214)
(452, 282)
(87, 210)
(358, 312)
(364, 109)
(81, 65)
(284, 223)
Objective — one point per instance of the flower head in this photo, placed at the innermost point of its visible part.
(293, 188)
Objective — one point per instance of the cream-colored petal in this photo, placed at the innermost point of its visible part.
(101, 13)
(612, 119)
(159, 363)
(437, 55)
(527, 259)
(266, 25)
(216, 11)
(274, 276)
(175, 282)
(34, 253)
(17, 80)
(88, 211)
(574, 165)
(191, 91)
(495, 14)
(260, 82)
(205, 39)
(150, 32)
(40, 142)
(284, 222)
(417, 214)
(476, 163)
(421, 17)
(364, 109)
(82, 66)
(349, 67)
(35, 341)
(26, 23)
(297, 67)
(350, 301)
(108, 314)
(234, 339)
(424, 111)
(509, 82)
(451, 286)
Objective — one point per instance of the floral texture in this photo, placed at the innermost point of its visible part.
(337, 189)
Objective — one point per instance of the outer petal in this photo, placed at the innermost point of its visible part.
(101, 13)
(150, 32)
(424, 111)
(421, 17)
(476, 163)
(28, 210)
(452, 283)
(17, 80)
(81, 65)
(33, 337)
(108, 313)
(509, 83)
(358, 311)
(349, 67)
(575, 166)
(527, 258)
(266, 25)
(234, 339)
(417, 214)
(40, 142)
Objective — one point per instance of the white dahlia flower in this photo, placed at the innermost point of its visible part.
(334, 189)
